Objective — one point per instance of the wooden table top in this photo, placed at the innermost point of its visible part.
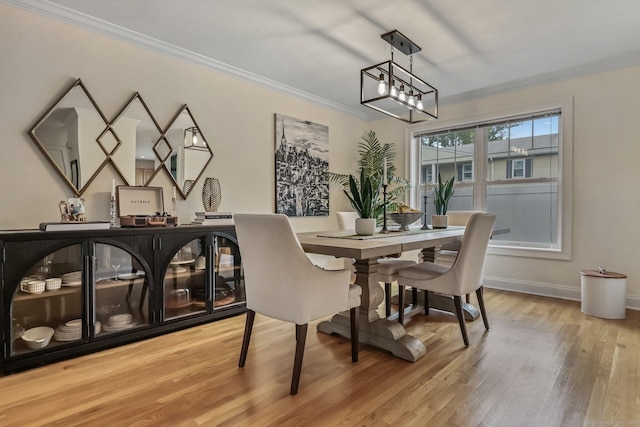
(378, 245)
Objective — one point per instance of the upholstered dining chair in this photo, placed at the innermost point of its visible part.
(449, 251)
(282, 283)
(463, 277)
(347, 220)
(387, 268)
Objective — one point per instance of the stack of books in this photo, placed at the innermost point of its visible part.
(213, 218)
(75, 225)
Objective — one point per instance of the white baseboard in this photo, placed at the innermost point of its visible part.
(547, 290)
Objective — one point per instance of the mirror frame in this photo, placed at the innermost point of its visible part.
(121, 113)
(163, 162)
(43, 149)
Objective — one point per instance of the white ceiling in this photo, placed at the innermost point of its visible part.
(316, 49)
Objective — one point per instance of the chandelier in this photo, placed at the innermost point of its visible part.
(393, 90)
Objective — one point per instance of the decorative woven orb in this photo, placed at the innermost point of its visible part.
(211, 194)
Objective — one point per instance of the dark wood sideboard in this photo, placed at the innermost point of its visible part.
(105, 288)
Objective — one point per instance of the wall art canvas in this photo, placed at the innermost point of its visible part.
(302, 163)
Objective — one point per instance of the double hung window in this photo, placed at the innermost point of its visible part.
(511, 166)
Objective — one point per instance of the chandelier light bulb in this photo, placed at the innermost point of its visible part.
(194, 140)
(412, 100)
(394, 91)
(382, 86)
(403, 95)
(419, 104)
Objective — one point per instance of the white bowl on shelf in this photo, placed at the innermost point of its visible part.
(33, 287)
(53, 284)
(38, 337)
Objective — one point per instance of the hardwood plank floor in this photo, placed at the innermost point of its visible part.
(543, 363)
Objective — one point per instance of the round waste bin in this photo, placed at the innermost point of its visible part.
(603, 293)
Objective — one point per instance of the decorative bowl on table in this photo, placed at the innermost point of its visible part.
(405, 219)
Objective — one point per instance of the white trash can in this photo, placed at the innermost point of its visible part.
(603, 293)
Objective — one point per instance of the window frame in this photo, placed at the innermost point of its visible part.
(481, 183)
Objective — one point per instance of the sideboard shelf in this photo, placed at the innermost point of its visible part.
(118, 286)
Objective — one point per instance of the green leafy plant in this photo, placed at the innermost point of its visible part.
(443, 193)
(371, 162)
(363, 195)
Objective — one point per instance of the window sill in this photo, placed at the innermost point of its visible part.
(529, 252)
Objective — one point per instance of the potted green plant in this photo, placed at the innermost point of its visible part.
(443, 193)
(372, 153)
(363, 196)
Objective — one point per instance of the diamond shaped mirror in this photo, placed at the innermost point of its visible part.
(185, 153)
(139, 131)
(67, 134)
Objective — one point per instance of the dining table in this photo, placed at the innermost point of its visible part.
(375, 331)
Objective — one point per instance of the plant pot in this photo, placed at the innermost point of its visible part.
(439, 221)
(365, 226)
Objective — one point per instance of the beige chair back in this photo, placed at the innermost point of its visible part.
(460, 217)
(469, 265)
(280, 280)
(347, 220)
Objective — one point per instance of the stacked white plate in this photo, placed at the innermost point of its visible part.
(73, 278)
(119, 322)
(72, 330)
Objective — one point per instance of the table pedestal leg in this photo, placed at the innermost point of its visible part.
(381, 333)
(374, 331)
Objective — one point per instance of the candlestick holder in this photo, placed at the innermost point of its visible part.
(424, 209)
(112, 211)
(384, 209)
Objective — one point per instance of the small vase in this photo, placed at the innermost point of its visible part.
(439, 221)
(211, 195)
(365, 226)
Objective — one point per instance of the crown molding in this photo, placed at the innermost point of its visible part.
(86, 22)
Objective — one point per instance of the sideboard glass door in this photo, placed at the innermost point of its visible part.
(185, 281)
(229, 279)
(121, 293)
(47, 307)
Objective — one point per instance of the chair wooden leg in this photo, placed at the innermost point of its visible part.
(248, 326)
(457, 300)
(480, 295)
(301, 337)
(401, 304)
(387, 299)
(414, 296)
(426, 302)
(354, 314)
(467, 298)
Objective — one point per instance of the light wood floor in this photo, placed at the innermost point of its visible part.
(543, 363)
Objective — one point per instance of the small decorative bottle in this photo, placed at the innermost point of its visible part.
(112, 204)
(112, 211)
(174, 208)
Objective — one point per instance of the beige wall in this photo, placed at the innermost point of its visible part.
(606, 177)
(41, 58)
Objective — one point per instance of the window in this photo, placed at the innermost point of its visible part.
(511, 166)
(465, 171)
(519, 168)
